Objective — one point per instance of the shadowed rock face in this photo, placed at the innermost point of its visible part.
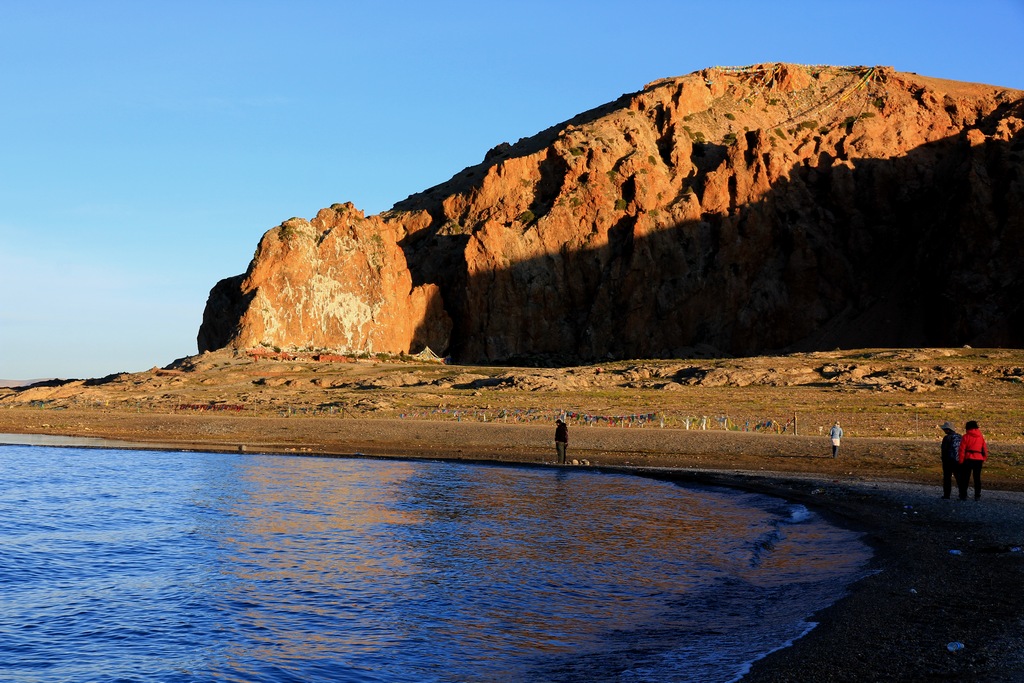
(775, 207)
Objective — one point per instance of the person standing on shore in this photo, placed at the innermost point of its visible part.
(836, 433)
(561, 440)
(950, 459)
(973, 454)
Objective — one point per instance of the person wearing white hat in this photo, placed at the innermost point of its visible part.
(950, 459)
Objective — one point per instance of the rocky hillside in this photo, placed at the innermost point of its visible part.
(731, 211)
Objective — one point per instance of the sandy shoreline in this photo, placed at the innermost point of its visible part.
(894, 625)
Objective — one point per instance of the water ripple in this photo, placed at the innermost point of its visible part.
(154, 566)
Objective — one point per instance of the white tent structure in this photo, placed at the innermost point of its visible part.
(427, 355)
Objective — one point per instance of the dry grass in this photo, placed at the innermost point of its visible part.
(873, 393)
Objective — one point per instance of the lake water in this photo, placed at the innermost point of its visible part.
(165, 566)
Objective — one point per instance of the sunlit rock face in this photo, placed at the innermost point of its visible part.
(337, 282)
(732, 211)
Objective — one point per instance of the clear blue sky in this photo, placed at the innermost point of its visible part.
(147, 145)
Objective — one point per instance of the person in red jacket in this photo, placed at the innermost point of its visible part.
(973, 454)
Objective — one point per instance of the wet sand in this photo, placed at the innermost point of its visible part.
(895, 624)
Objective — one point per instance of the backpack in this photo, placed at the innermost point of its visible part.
(951, 448)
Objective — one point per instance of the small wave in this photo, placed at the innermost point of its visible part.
(763, 545)
(746, 667)
(798, 514)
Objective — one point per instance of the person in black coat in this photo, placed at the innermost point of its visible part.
(561, 440)
(950, 459)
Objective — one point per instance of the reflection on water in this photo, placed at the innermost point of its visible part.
(158, 566)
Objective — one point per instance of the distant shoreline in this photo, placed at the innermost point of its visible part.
(894, 624)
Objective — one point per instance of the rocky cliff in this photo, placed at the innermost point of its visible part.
(730, 211)
(339, 281)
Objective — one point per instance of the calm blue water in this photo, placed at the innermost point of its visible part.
(162, 566)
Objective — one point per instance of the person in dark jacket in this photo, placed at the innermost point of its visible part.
(950, 459)
(561, 440)
(973, 454)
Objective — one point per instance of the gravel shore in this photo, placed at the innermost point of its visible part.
(947, 571)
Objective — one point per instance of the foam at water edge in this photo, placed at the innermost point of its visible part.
(798, 514)
(745, 668)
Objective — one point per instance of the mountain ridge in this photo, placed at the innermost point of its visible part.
(733, 211)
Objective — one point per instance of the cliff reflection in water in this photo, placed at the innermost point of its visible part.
(474, 560)
(205, 567)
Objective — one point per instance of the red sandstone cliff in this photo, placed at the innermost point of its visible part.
(764, 208)
(339, 281)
